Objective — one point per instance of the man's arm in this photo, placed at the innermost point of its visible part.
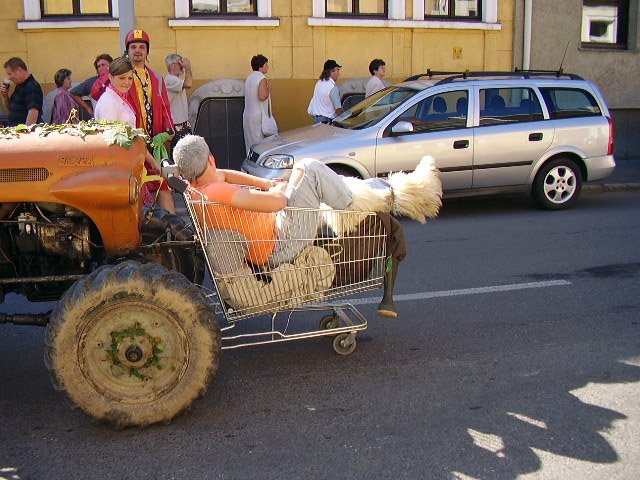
(334, 95)
(81, 90)
(32, 116)
(241, 178)
(4, 92)
(272, 200)
(82, 103)
(188, 73)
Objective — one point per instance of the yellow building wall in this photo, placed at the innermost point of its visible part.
(296, 51)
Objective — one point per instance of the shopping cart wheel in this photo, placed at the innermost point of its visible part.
(329, 321)
(344, 343)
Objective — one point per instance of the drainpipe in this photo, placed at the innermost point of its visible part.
(526, 50)
(126, 19)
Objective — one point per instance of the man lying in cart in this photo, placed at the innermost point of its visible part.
(253, 206)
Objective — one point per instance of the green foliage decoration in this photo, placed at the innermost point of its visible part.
(113, 133)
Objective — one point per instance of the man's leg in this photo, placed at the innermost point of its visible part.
(311, 183)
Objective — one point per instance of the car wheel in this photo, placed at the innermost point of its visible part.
(133, 344)
(344, 171)
(557, 185)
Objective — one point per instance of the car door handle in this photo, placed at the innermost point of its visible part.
(458, 144)
(535, 137)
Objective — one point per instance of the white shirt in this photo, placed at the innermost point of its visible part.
(177, 98)
(373, 85)
(321, 103)
(112, 107)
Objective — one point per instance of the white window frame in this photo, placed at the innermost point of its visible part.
(33, 19)
(182, 18)
(604, 13)
(397, 19)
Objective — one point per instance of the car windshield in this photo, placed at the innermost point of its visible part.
(374, 108)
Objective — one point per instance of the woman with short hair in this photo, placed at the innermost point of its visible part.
(257, 89)
(63, 103)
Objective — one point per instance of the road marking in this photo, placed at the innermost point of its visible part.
(464, 291)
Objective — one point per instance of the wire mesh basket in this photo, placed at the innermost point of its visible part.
(295, 260)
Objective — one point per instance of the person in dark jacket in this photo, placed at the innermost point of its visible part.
(25, 103)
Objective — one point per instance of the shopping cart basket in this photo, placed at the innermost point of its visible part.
(345, 255)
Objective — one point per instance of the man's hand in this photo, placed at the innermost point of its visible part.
(273, 182)
(279, 187)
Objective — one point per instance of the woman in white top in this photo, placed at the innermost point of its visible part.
(114, 105)
(257, 89)
(377, 69)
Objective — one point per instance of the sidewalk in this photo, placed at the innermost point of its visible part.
(626, 176)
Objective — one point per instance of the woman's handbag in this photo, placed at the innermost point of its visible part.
(269, 125)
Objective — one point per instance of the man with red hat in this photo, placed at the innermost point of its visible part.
(149, 97)
(149, 92)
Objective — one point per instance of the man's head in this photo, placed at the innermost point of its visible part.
(193, 157)
(258, 62)
(137, 45)
(375, 67)
(331, 69)
(16, 70)
(102, 62)
(174, 64)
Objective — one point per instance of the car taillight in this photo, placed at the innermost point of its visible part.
(610, 147)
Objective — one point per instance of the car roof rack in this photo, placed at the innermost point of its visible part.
(451, 76)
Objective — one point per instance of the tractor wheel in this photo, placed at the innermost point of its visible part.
(157, 223)
(133, 344)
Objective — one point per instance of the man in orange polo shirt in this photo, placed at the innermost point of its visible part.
(257, 212)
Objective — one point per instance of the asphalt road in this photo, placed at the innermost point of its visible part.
(517, 355)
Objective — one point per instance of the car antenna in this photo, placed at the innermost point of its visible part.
(562, 61)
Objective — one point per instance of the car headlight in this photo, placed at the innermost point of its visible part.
(278, 162)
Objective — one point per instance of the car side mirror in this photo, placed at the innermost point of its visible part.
(402, 127)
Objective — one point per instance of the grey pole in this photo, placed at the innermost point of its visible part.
(127, 19)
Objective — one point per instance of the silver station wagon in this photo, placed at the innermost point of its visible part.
(531, 131)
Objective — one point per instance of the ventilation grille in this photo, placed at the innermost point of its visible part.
(219, 121)
(11, 175)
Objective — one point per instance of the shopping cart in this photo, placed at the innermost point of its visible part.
(346, 255)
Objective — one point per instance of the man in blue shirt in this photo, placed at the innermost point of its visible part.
(25, 103)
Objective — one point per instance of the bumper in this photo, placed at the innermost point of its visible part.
(599, 167)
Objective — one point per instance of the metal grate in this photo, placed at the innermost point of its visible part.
(219, 121)
(12, 175)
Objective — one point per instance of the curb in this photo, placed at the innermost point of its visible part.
(610, 187)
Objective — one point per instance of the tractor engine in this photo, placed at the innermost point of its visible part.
(45, 240)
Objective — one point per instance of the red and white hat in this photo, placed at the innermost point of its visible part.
(136, 36)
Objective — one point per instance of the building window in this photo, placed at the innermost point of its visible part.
(453, 8)
(71, 8)
(605, 23)
(373, 8)
(222, 7)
